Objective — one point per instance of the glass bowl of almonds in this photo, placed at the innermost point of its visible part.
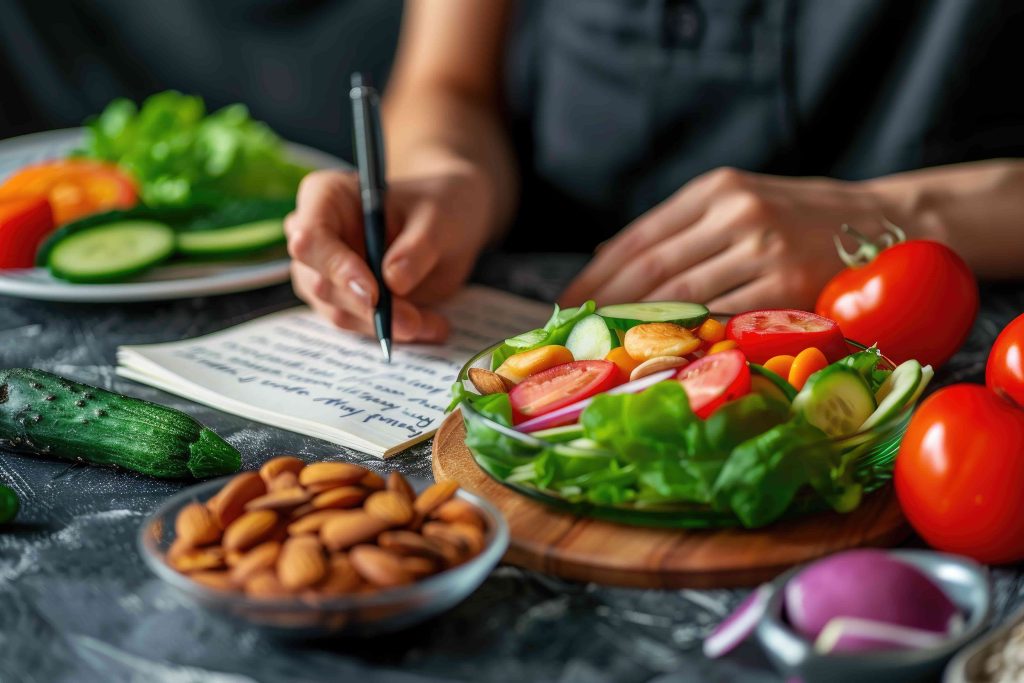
(324, 549)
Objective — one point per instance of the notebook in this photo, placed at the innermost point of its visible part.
(295, 371)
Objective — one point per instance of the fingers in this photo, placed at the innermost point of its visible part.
(416, 251)
(720, 274)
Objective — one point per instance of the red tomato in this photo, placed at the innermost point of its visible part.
(75, 187)
(560, 386)
(1004, 373)
(915, 300)
(960, 472)
(775, 332)
(714, 380)
(24, 224)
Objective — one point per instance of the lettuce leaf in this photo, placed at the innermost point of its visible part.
(555, 331)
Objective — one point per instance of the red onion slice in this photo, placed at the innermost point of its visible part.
(738, 626)
(849, 634)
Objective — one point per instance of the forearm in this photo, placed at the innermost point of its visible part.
(975, 208)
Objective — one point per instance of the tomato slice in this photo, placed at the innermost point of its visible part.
(24, 224)
(714, 380)
(75, 187)
(776, 332)
(560, 386)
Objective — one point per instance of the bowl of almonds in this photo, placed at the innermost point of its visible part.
(328, 548)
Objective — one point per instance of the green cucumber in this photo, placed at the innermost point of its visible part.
(8, 504)
(625, 316)
(896, 392)
(235, 240)
(767, 383)
(43, 414)
(110, 252)
(591, 339)
(560, 434)
(836, 400)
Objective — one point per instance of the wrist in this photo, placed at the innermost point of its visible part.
(913, 206)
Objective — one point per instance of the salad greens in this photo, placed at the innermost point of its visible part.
(555, 331)
(179, 154)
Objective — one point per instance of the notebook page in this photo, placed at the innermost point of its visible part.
(295, 371)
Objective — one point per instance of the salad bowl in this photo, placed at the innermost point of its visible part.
(500, 449)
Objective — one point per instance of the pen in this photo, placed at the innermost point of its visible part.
(369, 148)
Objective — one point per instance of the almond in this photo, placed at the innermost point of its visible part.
(372, 481)
(197, 559)
(229, 504)
(284, 499)
(313, 522)
(420, 567)
(442, 531)
(341, 578)
(275, 466)
(390, 507)
(378, 567)
(217, 580)
(265, 584)
(250, 529)
(302, 511)
(340, 498)
(301, 563)
(285, 480)
(459, 510)
(196, 525)
(348, 528)
(471, 535)
(234, 557)
(263, 556)
(409, 543)
(487, 382)
(335, 473)
(399, 484)
(433, 496)
(657, 364)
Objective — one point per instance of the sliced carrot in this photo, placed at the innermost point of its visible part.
(780, 365)
(711, 331)
(806, 363)
(724, 345)
(623, 360)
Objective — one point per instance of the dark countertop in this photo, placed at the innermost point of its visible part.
(78, 605)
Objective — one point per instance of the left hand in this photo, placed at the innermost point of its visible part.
(733, 240)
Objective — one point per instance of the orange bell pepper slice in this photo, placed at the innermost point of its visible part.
(806, 363)
(625, 362)
(74, 187)
(780, 365)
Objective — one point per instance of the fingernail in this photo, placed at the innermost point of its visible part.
(397, 268)
(360, 290)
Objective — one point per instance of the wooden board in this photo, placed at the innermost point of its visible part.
(547, 540)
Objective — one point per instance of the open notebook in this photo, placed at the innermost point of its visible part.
(295, 371)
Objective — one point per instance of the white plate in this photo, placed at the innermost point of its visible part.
(169, 282)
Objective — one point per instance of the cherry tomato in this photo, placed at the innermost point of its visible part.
(916, 300)
(24, 224)
(1004, 373)
(75, 187)
(960, 473)
(775, 332)
(560, 386)
(714, 380)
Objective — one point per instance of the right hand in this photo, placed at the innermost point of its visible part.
(436, 229)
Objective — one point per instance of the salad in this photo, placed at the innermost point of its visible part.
(661, 406)
(150, 184)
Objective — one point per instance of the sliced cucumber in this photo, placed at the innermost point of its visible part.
(560, 434)
(898, 390)
(625, 316)
(767, 383)
(232, 241)
(111, 251)
(836, 400)
(591, 339)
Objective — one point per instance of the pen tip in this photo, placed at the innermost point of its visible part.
(385, 347)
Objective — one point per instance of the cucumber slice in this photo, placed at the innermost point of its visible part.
(767, 383)
(111, 251)
(836, 400)
(591, 339)
(625, 316)
(896, 391)
(560, 434)
(232, 241)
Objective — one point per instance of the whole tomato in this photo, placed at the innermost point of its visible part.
(1004, 373)
(960, 474)
(916, 300)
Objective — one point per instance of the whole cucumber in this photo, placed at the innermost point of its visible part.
(41, 413)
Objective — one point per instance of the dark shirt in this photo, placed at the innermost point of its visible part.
(615, 104)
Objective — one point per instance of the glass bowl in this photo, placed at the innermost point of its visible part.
(362, 614)
(874, 457)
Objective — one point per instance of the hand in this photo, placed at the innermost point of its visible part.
(435, 232)
(733, 240)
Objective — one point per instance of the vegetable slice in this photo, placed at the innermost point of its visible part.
(715, 379)
(806, 363)
(106, 253)
(625, 316)
(836, 400)
(591, 339)
(768, 383)
(561, 386)
(24, 224)
(737, 627)
(773, 332)
(74, 187)
(850, 634)
(232, 241)
(897, 391)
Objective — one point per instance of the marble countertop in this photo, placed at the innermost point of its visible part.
(78, 605)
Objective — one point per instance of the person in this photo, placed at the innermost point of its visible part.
(709, 150)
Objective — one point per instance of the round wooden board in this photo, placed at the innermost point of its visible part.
(547, 540)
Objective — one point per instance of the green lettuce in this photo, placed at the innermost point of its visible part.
(555, 331)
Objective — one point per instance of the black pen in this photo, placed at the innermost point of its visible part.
(369, 147)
